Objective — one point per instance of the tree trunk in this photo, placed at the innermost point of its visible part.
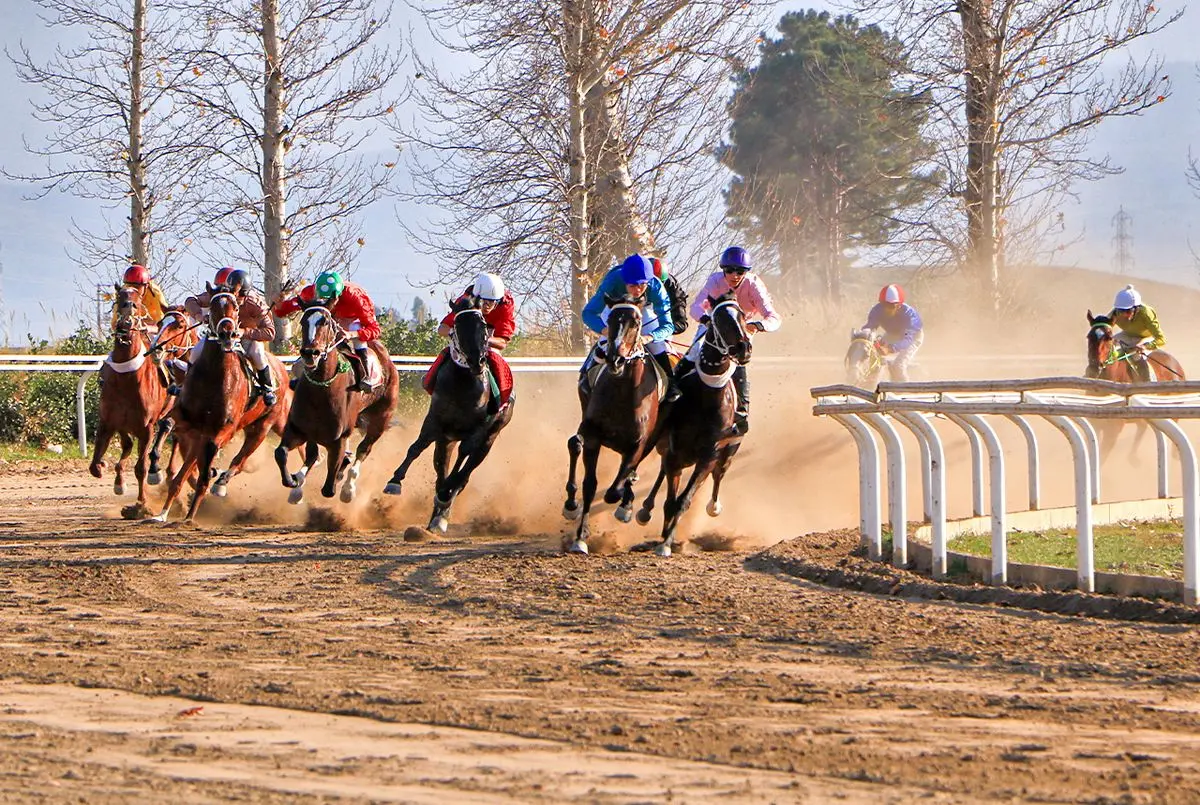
(979, 62)
(274, 135)
(578, 192)
(139, 208)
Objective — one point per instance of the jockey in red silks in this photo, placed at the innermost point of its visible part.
(499, 311)
(353, 310)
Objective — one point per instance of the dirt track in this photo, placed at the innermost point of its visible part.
(278, 654)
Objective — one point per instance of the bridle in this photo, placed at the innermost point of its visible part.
(128, 321)
(172, 345)
(457, 354)
(613, 358)
(309, 324)
(874, 358)
(228, 341)
(713, 337)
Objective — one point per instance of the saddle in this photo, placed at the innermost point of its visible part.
(660, 374)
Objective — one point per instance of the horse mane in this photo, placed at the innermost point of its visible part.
(728, 296)
(625, 298)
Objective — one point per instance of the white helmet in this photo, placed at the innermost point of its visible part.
(1127, 298)
(489, 286)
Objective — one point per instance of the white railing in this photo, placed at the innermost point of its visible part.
(1070, 404)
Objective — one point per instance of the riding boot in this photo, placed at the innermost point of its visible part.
(741, 416)
(360, 370)
(664, 360)
(266, 381)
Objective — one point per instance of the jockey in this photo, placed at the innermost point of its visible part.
(675, 294)
(352, 308)
(499, 311)
(254, 320)
(635, 278)
(903, 332)
(152, 304)
(1139, 330)
(736, 275)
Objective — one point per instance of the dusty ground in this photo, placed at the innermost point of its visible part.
(277, 654)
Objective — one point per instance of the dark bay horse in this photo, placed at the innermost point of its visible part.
(1109, 359)
(324, 411)
(133, 396)
(699, 430)
(216, 402)
(172, 346)
(622, 413)
(458, 416)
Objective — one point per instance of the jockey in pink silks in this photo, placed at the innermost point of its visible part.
(754, 300)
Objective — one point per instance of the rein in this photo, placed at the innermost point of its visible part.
(163, 344)
(640, 350)
(343, 366)
(456, 351)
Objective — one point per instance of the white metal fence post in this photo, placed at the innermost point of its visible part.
(868, 483)
(897, 487)
(1031, 446)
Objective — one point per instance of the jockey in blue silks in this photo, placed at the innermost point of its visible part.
(634, 278)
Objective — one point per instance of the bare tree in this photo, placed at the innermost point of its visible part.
(117, 133)
(585, 132)
(298, 87)
(1018, 86)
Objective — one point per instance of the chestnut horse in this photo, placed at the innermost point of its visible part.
(621, 413)
(216, 402)
(170, 350)
(699, 430)
(1109, 359)
(133, 395)
(324, 411)
(458, 415)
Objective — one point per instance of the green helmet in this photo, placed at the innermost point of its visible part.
(329, 285)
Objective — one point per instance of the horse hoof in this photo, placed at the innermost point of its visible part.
(158, 518)
(97, 470)
(571, 512)
(439, 524)
(578, 546)
(643, 516)
(347, 493)
(612, 496)
(220, 490)
(623, 513)
(392, 489)
(154, 478)
(118, 488)
(714, 508)
(663, 550)
(296, 495)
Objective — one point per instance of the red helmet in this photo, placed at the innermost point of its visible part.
(137, 275)
(891, 294)
(223, 275)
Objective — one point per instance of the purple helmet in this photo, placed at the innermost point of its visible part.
(735, 257)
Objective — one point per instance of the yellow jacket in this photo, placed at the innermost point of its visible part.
(153, 305)
(1144, 324)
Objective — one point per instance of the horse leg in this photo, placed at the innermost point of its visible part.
(208, 454)
(104, 436)
(591, 455)
(119, 469)
(139, 469)
(254, 435)
(622, 486)
(423, 440)
(723, 460)
(376, 425)
(670, 510)
(312, 453)
(441, 493)
(188, 465)
(161, 429)
(574, 447)
(336, 452)
(644, 513)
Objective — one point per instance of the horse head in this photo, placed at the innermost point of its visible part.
(175, 335)
(727, 331)
(128, 299)
(319, 334)
(469, 338)
(1100, 345)
(624, 332)
(863, 362)
(223, 319)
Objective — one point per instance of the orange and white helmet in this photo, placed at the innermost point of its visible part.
(891, 294)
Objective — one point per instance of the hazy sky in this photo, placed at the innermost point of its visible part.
(38, 275)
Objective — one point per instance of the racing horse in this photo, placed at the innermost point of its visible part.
(699, 432)
(324, 411)
(133, 396)
(622, 413)
(1108, 359)
(170, 350)
(458, 416)
(216, 402)
(864, 362)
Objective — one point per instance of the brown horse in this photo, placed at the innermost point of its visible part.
(1109, 359)
(133, 396)
(324, 411)
(621, 413)
(699, 431)
(458, 417)
(216, 402)
(170, 350)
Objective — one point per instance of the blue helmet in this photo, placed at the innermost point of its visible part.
(735, 257)
(636, 270)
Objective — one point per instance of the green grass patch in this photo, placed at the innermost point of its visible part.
(25, 452)
(1147, 548)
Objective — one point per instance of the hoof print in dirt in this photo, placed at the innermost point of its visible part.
(415, 533)
(135, 511)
